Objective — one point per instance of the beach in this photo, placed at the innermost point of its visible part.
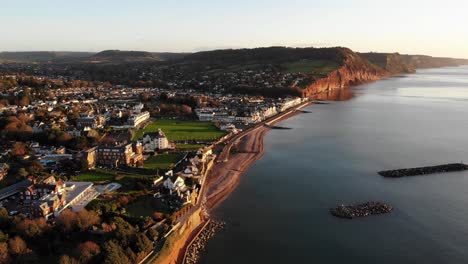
(225, 175)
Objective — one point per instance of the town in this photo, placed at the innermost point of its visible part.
(96, 162)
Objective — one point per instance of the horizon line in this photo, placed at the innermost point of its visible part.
(227, 48)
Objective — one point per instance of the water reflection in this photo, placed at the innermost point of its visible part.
(335, 95)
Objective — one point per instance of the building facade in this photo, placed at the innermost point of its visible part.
(155, 141)
(130, 154)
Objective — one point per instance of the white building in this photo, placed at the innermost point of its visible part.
(214, 114)
(155, 141)
(138, 108)
(290, 102)
(137, 119)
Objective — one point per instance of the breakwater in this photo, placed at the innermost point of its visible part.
(276, 127)
(424, 170)
(361, 210)
(198, 245)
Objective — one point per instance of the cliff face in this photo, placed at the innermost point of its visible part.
(424, 62)
(172, 251)
(396, 63)
(391, 62)
(366, 67)
(355, 70)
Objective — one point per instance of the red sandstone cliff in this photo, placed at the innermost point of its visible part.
(355, 70)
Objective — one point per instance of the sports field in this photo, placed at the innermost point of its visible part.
(183, 130)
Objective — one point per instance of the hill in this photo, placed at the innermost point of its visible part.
(133, 56)
(43, 56)
(396, 63)
(113, 56)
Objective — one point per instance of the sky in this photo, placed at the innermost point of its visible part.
(438, 28)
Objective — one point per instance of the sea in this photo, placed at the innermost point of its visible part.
(279, 213)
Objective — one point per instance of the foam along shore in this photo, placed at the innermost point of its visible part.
(424, 170)
(361, 210)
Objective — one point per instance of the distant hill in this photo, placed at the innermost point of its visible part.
(396, 63)
(114, 56)
(270, 55)
(133, 56)
(43, 56)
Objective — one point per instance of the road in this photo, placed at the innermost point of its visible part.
(224, 155)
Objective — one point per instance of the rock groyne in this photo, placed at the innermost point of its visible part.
(424, 170)
(361, 210)
(198, 245)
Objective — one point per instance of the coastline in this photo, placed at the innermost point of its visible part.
(225, 176)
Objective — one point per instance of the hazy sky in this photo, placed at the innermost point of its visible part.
(411, 26)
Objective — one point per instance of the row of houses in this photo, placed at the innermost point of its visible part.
(248, 113)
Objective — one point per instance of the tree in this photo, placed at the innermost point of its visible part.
(35, 167)
(142, 244)
(23, 172)
(3, 214)
(71, 221)
(18, 149)
(32, 228)
(124, 230)
(17, 246)
(64, 138)
(65, 259)
(86, 219)
(4, 255)
(3, 237)
(153, 234)
(114, 253)
(88, 250)
(67, 220)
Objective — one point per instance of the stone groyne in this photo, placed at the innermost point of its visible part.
(361, 210)
(198, 244)
(424, 170)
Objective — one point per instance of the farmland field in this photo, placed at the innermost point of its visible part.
(311, 66)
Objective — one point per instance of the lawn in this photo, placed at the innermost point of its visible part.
(146, 206)
(100, 175)
(96, 176)
(183, 130)
(162, 161)
(189, 146)
(311, 66)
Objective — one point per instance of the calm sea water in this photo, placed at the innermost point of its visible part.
(279, 212)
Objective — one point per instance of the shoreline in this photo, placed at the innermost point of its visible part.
(224, 177)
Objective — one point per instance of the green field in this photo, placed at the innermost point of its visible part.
(183, 130)
(163, 161)
(100, 175)
(311, 66)
(146, 206)
(189, 146)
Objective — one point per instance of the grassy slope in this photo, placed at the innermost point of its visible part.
(321, 67)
